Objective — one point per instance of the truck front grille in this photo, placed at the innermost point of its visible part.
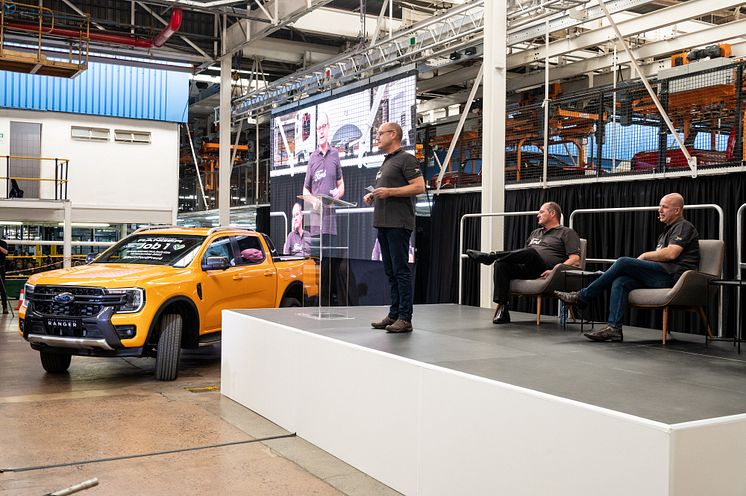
(87, 301)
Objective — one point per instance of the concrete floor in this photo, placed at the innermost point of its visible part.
(113, 414)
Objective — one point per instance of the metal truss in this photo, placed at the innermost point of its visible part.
(438, 37)
(430, 40)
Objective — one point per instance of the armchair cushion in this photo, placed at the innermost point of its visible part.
(689, 290)
(554, 281)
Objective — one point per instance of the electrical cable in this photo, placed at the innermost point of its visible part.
(143, 455)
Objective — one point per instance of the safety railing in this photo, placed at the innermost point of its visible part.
(721, 232)
(463, 255)
(740, 265)
(575, 213)
(285, 219)
(60, 180)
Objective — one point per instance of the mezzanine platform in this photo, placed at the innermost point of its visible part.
(462, 406)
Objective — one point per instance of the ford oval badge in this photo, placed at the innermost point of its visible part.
(64, 298)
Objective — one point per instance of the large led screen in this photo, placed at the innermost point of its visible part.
(328, 147)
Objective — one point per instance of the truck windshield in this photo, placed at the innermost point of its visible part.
(152, 249)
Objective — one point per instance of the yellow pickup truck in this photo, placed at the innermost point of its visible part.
(158, 291)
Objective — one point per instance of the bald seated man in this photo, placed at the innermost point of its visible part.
(677, 251)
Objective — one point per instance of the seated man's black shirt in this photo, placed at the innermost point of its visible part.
(554, 245)
(684, 234)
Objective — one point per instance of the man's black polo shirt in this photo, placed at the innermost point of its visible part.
(397, 170)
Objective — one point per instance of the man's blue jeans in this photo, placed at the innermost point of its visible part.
(625, 275)
(395, 255)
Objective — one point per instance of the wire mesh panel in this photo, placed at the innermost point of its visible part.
(621, 132)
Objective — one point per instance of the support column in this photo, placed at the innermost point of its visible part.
(67, 235)
(224, 170)
(493, 137)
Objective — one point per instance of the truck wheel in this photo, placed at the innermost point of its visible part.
(169, 348)
(290, 302)
(55, 363)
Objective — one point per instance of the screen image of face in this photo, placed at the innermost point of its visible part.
(328, 147)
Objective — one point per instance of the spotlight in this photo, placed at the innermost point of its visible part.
(470, 51)
(454, 56)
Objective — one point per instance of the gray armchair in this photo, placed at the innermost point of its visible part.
(555, 281)
(690, 291)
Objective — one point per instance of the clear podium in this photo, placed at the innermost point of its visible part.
(330, 235)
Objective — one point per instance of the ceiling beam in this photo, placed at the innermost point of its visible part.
(644, 23)
(656, 49)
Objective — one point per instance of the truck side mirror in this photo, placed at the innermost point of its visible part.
(216, 263)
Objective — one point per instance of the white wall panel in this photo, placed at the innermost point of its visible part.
(107, 174)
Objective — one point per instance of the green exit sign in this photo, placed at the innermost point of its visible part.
(412, 41)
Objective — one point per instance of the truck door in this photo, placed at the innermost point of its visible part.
(258, 272)
(221, 289)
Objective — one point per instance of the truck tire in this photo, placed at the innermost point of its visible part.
(55, 363)
(289, 302)
(168, 351)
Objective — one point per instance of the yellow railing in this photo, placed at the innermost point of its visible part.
(43, 22)
(15, 190)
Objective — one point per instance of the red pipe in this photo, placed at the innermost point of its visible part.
(173, 25)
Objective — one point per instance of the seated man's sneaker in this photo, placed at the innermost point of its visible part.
(502, 316)
(607, 333)
(482, 257)
(382, 324)
(399, 326)
(570, 297)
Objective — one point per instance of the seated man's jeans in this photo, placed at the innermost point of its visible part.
(517, 264)
(625, 275)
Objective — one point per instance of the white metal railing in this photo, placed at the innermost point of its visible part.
(285, 219)
(463, 255)
(717, 208)
(740, 265)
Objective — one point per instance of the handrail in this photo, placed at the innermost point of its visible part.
(462, 255)
(285, 218)
(61, 169)
(717, 208)
(739, 240)
(721, 231)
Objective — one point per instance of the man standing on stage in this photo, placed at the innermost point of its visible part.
(398, 182)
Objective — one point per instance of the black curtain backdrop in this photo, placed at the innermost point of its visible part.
(442, 280)
(609, 235)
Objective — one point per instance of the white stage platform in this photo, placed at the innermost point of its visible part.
(446, 410)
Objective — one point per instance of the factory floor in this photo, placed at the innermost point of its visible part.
(108, 419)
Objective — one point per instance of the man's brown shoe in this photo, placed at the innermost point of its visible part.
(571, 297)
(382, 324)
(607, 333)
(400, 326)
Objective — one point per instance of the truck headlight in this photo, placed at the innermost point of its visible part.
(28, 293)
(134, 301)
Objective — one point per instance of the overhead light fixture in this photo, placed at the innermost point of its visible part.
(470, 51)
(455, 56)
(10, 223)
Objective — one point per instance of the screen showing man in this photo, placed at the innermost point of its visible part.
(297, 242)
(323, 177)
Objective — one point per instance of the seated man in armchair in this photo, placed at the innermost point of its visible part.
(546, 247)
(676, 252)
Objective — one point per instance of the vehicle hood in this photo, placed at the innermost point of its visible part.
(107, 275)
